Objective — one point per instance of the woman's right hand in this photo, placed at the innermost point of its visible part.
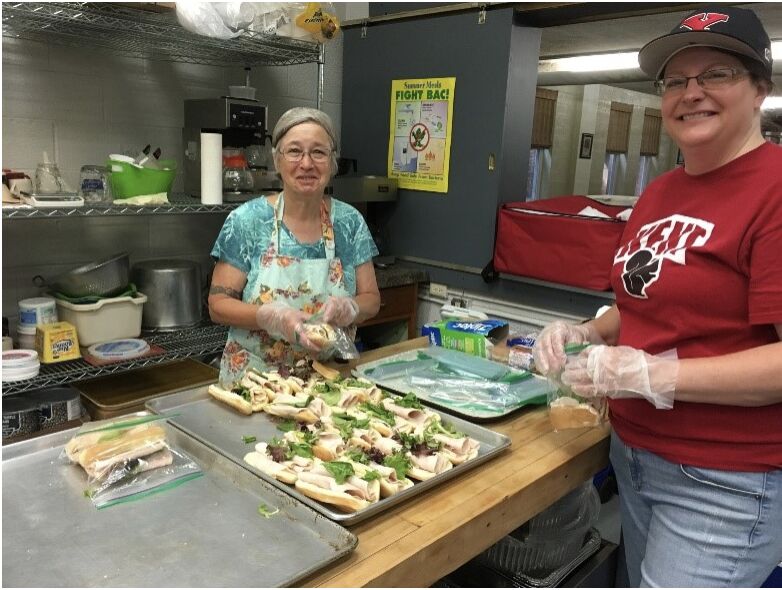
(549, 349)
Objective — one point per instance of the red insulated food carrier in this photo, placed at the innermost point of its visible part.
(550, 241)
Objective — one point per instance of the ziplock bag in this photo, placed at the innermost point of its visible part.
(568, 410)
(127, 458)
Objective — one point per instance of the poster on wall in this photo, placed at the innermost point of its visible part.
(419, 148)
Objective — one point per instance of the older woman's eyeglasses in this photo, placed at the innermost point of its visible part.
(709, 80)
(296, 154)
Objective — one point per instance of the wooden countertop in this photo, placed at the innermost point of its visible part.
(422, 540)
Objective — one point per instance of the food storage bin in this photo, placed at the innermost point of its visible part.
(128, 180)
(551, 539)
(108, 319)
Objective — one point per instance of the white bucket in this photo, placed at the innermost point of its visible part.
(36, 311)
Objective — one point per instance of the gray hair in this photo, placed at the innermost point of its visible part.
(299, 115)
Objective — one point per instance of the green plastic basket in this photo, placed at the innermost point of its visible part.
(128, 180)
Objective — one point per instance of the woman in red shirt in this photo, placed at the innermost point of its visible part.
(690, 356)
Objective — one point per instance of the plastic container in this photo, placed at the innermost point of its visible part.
(128, 180)
(37, 310)
(19, 365)
(25, 337)
(20, 417)
(549, 540)
(57, 405)
(108, 319)
(246, 92)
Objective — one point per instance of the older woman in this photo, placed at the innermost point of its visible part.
(281, 259)
(693, 361)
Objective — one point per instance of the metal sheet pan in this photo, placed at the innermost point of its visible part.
(205, 532)
(222, 428)
(412, 374)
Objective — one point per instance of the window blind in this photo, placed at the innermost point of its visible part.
(543, 119)
(619, 127)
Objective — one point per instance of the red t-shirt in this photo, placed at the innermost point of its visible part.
(699, 271)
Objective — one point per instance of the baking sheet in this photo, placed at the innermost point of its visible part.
(204, 533)
(219, 426)
(456, 382)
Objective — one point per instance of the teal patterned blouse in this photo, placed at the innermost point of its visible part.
(248, 229)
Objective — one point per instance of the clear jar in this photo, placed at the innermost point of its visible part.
(48, 179)
(94, 185)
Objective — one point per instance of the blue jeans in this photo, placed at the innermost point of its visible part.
(686, 526)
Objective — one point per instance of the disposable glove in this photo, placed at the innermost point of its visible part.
(623, 372)
(284, 323)
(549, 349)
(340, 311)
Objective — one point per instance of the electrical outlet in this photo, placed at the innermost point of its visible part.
(438, 289)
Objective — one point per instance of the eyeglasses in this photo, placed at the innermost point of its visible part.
(295, 154)
(709, 80)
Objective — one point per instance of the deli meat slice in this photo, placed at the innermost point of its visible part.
(428, 466)
(386, 445)
(458, 450)
(413, 415)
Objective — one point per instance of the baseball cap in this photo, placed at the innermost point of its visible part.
(738, 30)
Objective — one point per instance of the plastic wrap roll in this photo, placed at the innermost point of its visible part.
(211, 168)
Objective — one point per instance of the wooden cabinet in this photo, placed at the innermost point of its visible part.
(397, 304)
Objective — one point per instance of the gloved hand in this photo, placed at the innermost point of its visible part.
(623, 372)
(549, 349)
(340, 311)
(284, 322)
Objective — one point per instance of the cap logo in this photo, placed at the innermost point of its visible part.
(704, 20)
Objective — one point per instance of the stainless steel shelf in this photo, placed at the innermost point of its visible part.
(194, 342)
(139, 33)
(178, 204)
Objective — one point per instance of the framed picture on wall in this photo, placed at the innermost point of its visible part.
(585, 151)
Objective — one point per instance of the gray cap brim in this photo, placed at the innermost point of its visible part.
(655, 54)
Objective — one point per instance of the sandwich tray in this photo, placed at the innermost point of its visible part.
(205, 533)
(457, 382)
(222, 428)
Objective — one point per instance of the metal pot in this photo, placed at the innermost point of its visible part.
(173, 290)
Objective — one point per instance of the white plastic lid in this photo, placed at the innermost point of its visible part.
(20, 375)
(119, 349)
(121, 158)
(27, 330)
(19, 358)
(35, 302)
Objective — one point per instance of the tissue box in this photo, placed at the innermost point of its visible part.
(477, 338)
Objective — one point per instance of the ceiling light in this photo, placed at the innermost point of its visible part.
(605, 62)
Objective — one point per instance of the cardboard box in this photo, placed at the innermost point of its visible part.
(473, 337)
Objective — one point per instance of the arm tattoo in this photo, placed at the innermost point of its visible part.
(219, 289)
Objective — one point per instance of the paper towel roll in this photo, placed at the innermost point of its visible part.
(211, 168)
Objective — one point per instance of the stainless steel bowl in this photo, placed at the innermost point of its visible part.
(104, 278)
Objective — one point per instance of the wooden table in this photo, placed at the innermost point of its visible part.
(422, 540)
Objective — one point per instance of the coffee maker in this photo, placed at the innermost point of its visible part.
(242, 123)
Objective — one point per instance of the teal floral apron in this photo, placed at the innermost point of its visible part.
(300, 283)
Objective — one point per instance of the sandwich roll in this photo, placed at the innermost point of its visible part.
(567, 412)
(427, 466)
(236, 401)
(327, 372)
(351, 496)
(99, 458)
(458, 450)
(262, 462)
(321, 335)
(285, 411)
(80, 442)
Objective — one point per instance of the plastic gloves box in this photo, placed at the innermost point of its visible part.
(477, 338)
